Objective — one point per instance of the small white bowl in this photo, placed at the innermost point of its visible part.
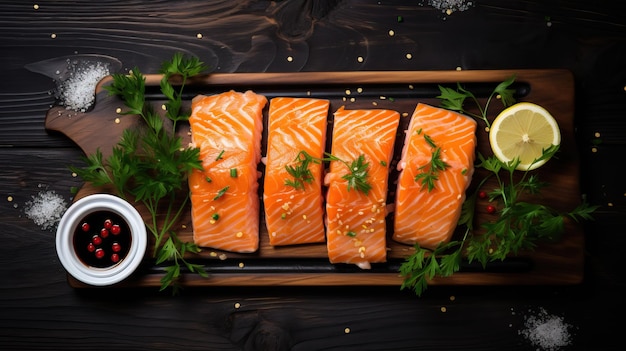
(72, 219)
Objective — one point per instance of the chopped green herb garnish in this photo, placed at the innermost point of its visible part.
(233, 172)
(221, 192)
(383, 163)
(430, 173)
(220, 156)
(215, 216)
(351, 234)
(208, 179)
(301, 173)
(357, 178)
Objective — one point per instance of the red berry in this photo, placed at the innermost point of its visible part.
(115, 257)
(99, 253)
(116, 247)
(85, 227)
(482, 194)
(491, 209)
(104, 232)
(96, 240)
(108, 223)
(115, 229)
(91, 247)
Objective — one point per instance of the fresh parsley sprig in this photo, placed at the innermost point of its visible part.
(359, 172)
(454, 100)
(520, 225)
(150, 166)
(429, 173)
(300, 172)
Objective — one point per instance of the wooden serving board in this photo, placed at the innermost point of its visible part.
(552, 263)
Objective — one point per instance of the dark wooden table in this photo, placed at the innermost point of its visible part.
(38, 308)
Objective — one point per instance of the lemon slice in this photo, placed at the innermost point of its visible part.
(523, 131)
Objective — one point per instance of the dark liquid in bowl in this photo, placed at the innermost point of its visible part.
(100, 249)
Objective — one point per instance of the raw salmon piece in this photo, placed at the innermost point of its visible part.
(294, 215)
(430, 217)
(356, 230)
(224, 200)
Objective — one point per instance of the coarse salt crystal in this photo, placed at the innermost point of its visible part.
(546, 331)
(78, 91)
(46, 209)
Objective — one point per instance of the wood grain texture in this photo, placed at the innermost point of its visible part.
(558, 263)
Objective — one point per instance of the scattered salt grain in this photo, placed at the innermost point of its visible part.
(46, 209)
(77, 92)
(449, 6)
(546, 331)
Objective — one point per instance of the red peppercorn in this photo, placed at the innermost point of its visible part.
(85, 227)
(108, 223)
(491, 209)
(116, 247)
(96, 240)
(116, 229)
(91, 247)
(115, 257)
(104, 232)
(99, 253)
(482, 194)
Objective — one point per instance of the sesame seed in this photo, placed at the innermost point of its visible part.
(36, 7)
(53, 35)
(347, 330)
(289, 59)
(359, 59)
(458, 68)
(199, 35)
(409, 56)
(444, 309)
(213, 254)
(222, 257)
(594, 149)
(184, 226)
(241, 264)
(597, 134)
(239, 234)
(303, 216)
(117, 121)
(391, 33)
(359, 90)
(74, 175)
(118, 110)
(212, 221)
(163, 107)
(448, 12)
(9, 198)
(405, 114)
(411, 86)
(374, 103)
(452, 298)
(237, 305)
(348, 92)
(487, 129)
(352, 99)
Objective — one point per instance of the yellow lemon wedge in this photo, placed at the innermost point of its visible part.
(523, 131)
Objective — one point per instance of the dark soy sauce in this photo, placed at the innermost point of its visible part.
(102, 239)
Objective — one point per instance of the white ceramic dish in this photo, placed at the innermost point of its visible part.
(72, 219)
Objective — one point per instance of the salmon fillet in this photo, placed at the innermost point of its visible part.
(356, 229)
(430, 217)
(225, 203)
(294, 214)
